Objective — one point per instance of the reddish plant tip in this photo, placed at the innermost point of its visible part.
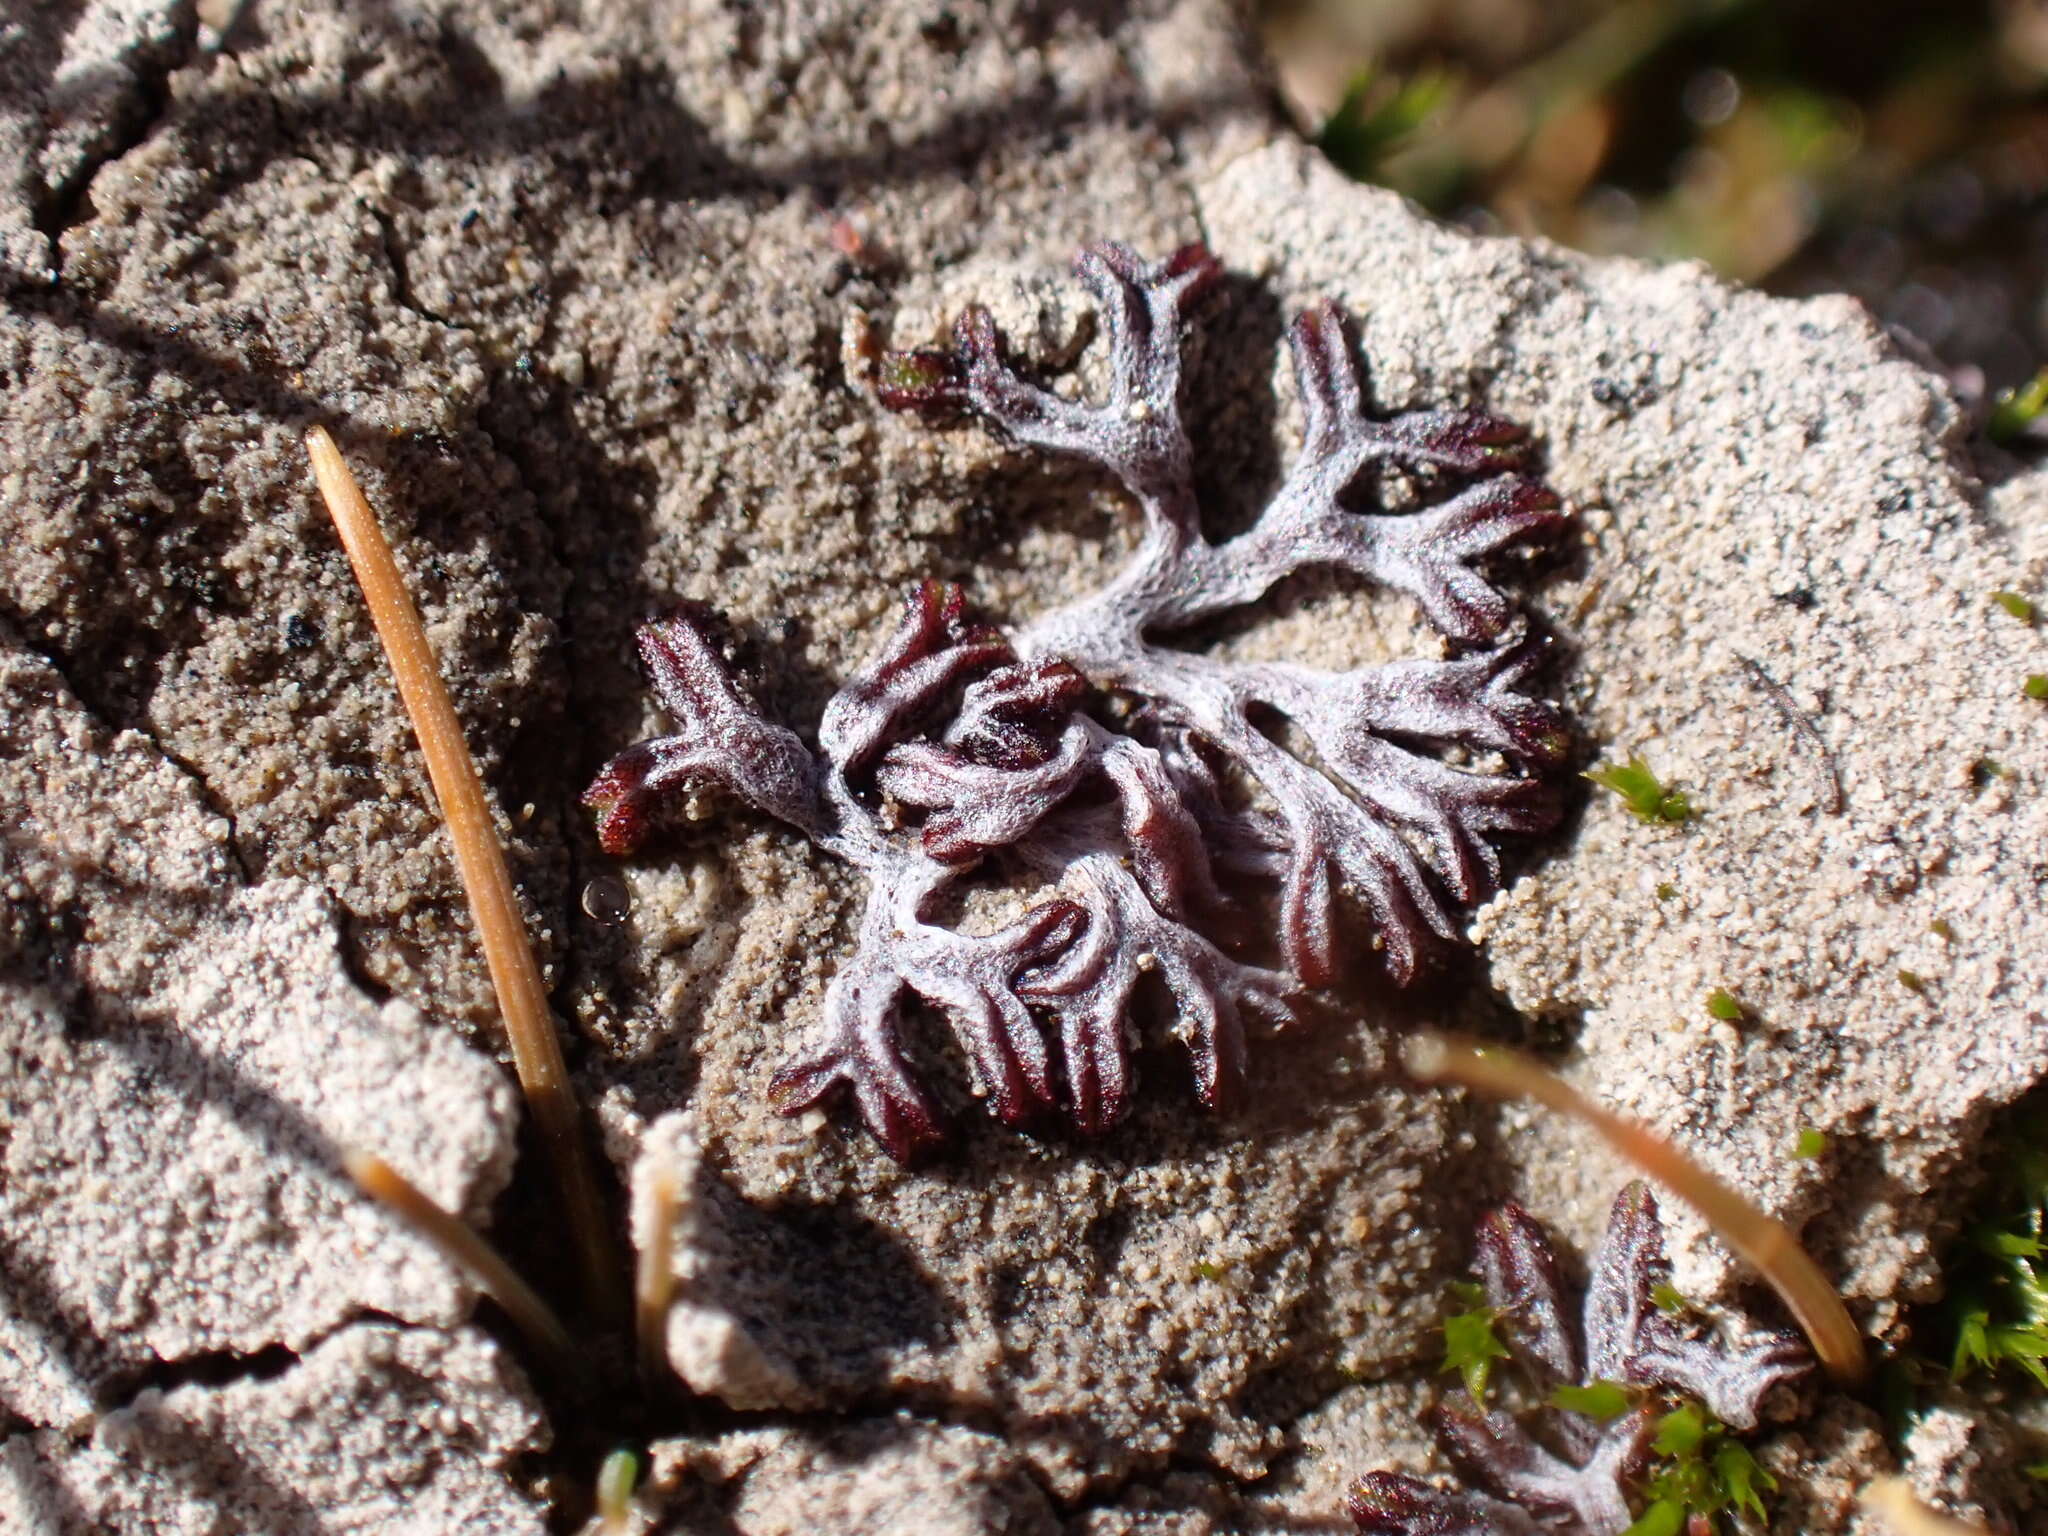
(618, 797)
(957, 748)
(896, 1114)
(1389, 1504)
(721, 741)
(937, 608)
(925, 379)
(1191, 258)
(1012, 718)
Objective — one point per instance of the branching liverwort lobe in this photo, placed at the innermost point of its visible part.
(960, 746)
(1557, 1470)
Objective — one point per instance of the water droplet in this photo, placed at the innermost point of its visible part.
(1711, 96)
(605, 900)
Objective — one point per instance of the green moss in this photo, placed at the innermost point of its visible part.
(1642, 791)
(1666, 890)
(1664, 1297)
(1942, 929)
(1209, 1271)
(1998, 1289)
(1703, 1473)
(1740, 1480)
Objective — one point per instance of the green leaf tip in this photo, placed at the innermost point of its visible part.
(1811, 1143)
(1664, 1297)
(1721, 1004)
(1471, 1345)
(1642, 791)
(2036, 685)
(1680, 1432)
(2015, 605)
(1664, 1517)
(1912, 981)
(616, 1479)
(2017, 409)
(1377, 117)
(1741, 1480)
(1602, 1400)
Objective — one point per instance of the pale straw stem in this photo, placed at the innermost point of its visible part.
(480, 861)
(1763, 1240)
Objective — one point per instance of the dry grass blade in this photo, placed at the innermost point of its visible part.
(463, 1247)
(654, 1283)
(1892, 1501)
(536, 1053)
(1764, 1241)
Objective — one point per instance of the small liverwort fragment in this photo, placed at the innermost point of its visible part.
(961, 750)
(721, 739)
(1626, 1414)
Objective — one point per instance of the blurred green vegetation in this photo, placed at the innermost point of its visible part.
(1893, 149)
(1997, 1306)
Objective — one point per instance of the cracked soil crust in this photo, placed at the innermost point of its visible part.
(590, 299)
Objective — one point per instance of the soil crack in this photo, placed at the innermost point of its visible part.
(140, 107)
(402, 292)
